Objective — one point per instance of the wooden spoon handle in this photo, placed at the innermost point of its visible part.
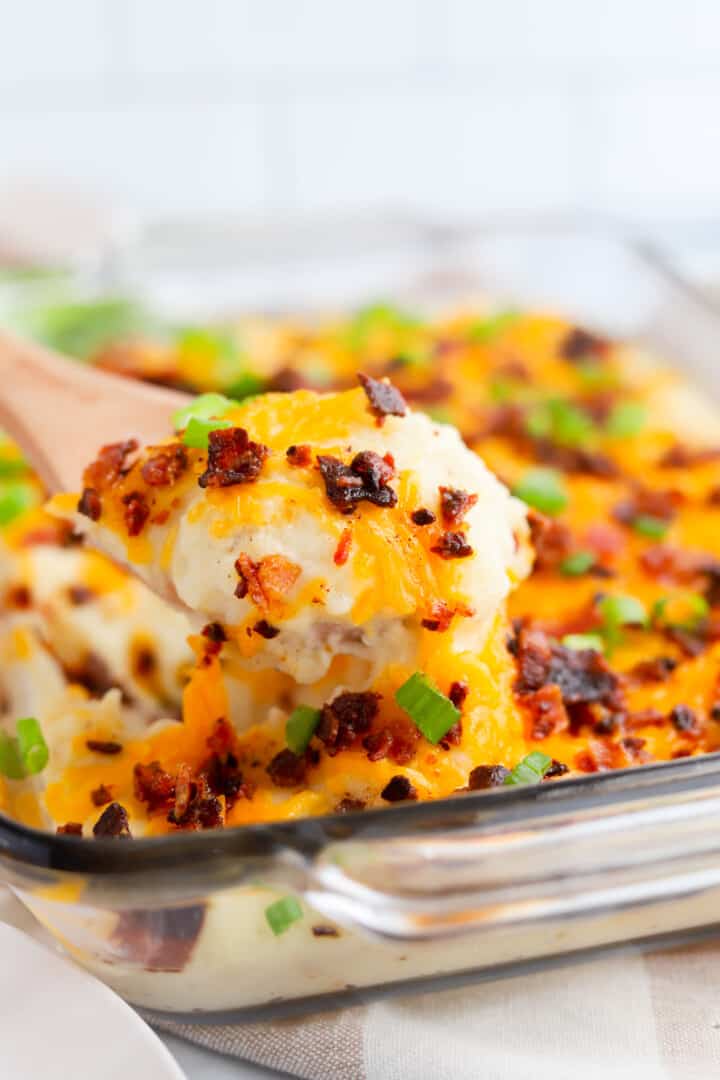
(60, 412)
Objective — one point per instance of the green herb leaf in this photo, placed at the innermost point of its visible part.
(300, 728)
(626, 419)
(652, 527)
(543, 489)
(580, 642)
(246, 385)
(432, 712)
(10, 761)
(203, 407)
(488, 330)
(33, 749)
(578, 563)
(282, 914)
(15, 499)
(197, 433)
(530, 770)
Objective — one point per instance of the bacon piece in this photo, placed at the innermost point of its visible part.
(366, 478)
(552, 540)
(385, 399)
(557, 768)
(90, 504)
(580, 345)
(204, 810)
(215, 636)
(164, 468)
(136, 512)
(454, 504)
(483, 777)
(345, 719)
(300, 456)
(110, 465)
(101, 795)
(348, 805)
(398, 789)
(154, 786)
(656, 669)
(287, 769)
(548, 714)
(458, 692)
(452, 545)
(232, 458)
(71, 828)
(582, 676)
(113, 824)
(646, 502)
(574, 459)
(431, 392)
(102, 746)
(276, 576)
(265, 629)
(422, 517)
(683, 457)
(342, 551)
(684, 719)
(439, 618)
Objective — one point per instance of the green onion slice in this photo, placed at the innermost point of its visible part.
(579, 642)
(652, 527)
(10, 761)
(626, 419)
(487, 330)
(282, 914)
(203, 407)
(15, 498)
(530, 770)
(618, 611)
(33, 749)
(430, 711)
(543, 489)
(197, 432)
(578, 563)
(245, 385)
(300, 728)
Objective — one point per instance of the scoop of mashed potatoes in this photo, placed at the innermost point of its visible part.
(313, 527)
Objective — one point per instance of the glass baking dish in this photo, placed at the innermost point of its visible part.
(409, 897)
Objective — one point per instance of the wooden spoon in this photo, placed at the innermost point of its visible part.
(60, 412)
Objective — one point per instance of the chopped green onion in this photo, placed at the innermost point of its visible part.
(245, 385)
(542, 489)
(682, 612)
(487, 330)
(12, 467)
(561, 421)
(15, 499)
(580, 642)
(377, 317)
(653, 527)
(627, 418)
(197, 433)
(282, 914)
(539, 422)
(300, 728)
(430, 711)
(530, 770)
(34, 752)
(502, 390)
(81, 329)
(203, 407)
(10, 761)
(595, 376)
(578, 563)
(618, 611)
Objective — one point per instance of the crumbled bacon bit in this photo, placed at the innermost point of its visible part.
(345, 719)
(483, 777)
(79, 595)
(397, 741)
(154, 786)
(453, 736)
(574, 459)
(265, 629)
(439, 618)
(325, 931)
(398, 789)
(19, 596)
(71, 828)
(547, 710)
(452, 545)
(287, 769)
(286, 380)
(430, 392)
(683, 457)
(342, 551)
(633, 744)
(646, 502)
(203, 811)
(551, 539)
(232, 458)
(348, 805)
(458, 692)
(215, 637)
(655, 669)
(164, 468)
(300, 456)
(112, 824)
(684, 719)
(557, 768)
(583, 676)
(90, 504)
(454, 504)
(366, 478)
(267, 581)
(136, 512)
(103, 746)
(101, 795)
(110, 465)
(580, 345)
(385, 399)
(422, 517)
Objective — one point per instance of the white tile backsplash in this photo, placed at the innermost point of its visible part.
(456, 107)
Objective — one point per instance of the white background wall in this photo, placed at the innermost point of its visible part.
(447, 106)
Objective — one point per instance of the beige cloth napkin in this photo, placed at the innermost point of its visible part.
(624, 1017)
